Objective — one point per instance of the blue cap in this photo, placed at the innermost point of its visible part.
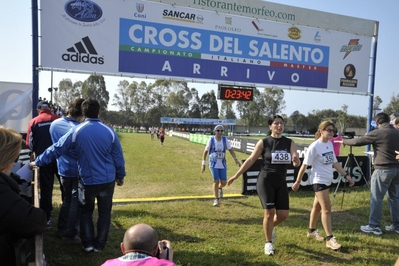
(43, 105)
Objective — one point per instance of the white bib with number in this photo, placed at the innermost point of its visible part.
(281, 157)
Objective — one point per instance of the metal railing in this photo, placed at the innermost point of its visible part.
(39, 255)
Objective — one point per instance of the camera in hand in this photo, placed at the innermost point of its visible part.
(165, 249)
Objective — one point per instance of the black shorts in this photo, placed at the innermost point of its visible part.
(320, 187)
(272, 191)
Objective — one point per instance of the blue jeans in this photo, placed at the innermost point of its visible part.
(87, 196)
(384, 181)
(69, 212)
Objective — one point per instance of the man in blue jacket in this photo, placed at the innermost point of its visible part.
(68, 219)
(100, 164)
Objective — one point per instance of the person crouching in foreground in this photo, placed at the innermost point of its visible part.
(140, 246)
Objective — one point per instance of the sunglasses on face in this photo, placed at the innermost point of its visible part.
(219, 130)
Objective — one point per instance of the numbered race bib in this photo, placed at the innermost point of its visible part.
(220, 155)
(328, 158)
(281, 157)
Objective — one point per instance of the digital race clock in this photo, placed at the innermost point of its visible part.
(235, 93)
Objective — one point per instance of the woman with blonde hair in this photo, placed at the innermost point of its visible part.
(18, 218)
(320, 155)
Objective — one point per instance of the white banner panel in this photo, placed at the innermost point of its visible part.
(283, 13)
(15, 105)
(149, 39)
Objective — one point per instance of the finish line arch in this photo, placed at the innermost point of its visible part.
(228, 123)
(241, 42)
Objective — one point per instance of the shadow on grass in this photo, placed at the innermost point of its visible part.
(322, 257)
(207, 259)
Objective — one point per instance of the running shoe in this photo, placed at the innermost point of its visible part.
(389, 228)
(369, 229)
(333, 244)
(88, 249)
(269, 249)
(216, 202)
(316, 235)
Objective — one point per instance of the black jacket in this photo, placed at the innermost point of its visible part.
(18, 218)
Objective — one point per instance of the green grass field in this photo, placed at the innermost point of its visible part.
(231, 234)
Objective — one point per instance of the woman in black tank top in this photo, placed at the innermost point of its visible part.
(277, 152)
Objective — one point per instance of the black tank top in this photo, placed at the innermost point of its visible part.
(276, 154)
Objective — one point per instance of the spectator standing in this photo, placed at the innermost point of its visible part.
(161, 135)
(68, 219)
(100, 164)
(321, 156)
(395, 123)
(335, 140)
(216, 148)
(38, 139)
(140, 246)
(395, 120)
(18, 218)
(385, 178)
(393, 116)
(277, 152)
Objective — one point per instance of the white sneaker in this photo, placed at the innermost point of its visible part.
(88, 249)
(316, 235)
(269, 249)
(216, 202)
(389, 228)
(368, 229)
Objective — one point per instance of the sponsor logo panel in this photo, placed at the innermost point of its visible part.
(349, 73)
(317, 36)
(84, 13)
(140, 9)
(261, 31)
(352, 46)
(83, 51)
(183, 16)
(294, 33)
(228, 26)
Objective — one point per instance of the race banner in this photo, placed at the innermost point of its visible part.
(197, 121)
(157, 40)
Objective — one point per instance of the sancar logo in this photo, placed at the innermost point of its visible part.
(83, 52)
(182, 16)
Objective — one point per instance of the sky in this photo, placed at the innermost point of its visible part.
(16, 56)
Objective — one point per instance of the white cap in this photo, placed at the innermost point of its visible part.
(218, 127)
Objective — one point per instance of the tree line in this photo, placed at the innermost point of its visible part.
(142, 104)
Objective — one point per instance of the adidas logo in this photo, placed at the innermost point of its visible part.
(83, 52)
